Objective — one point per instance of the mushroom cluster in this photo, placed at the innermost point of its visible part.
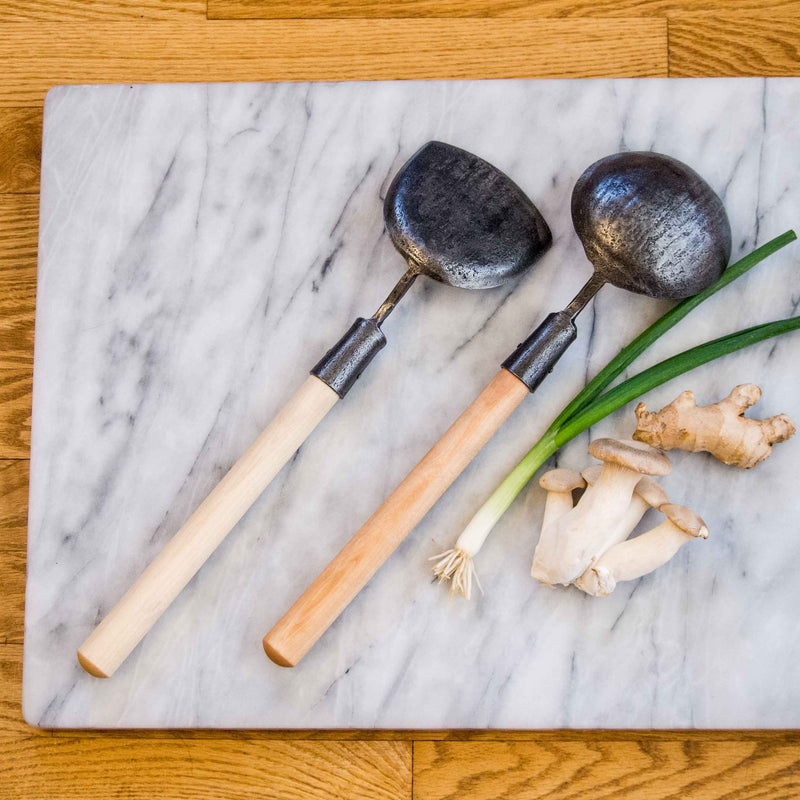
(587, 545)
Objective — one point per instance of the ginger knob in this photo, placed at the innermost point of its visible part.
(720, 429)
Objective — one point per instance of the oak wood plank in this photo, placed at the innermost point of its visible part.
(13, 506)
(18, 243)
(12, 726)
(16, 385)
(140, 769)
(734, 45)
(337, 9)
(37, 56)
(34, 764)
(63, 10)
(19, 222)
(12, 596)
(601, 769)
(20, 149)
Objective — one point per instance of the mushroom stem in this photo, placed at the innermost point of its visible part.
(577, 537)
(555, 506)
(629, 520)
(629, 560)
(647, 494)
(559, 484)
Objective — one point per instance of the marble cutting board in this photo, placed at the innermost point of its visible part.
(191, 235)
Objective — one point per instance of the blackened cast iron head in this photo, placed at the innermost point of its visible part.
(650, 224)
(458, 219)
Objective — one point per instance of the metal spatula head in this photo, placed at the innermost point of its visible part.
(461, 221)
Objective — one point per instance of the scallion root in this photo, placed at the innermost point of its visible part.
(456, 566)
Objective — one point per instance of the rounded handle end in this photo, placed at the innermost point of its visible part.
(275, 655)
(90, 666)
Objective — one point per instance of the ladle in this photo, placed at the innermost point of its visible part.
(455, 218)
(649, 224)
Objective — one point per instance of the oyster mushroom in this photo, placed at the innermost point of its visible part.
(584, 533)
(647, 494)
(629, 560)
(559, 484)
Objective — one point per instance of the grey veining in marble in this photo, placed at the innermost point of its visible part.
(188, 233)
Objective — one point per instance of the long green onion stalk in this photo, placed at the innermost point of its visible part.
(589, 406)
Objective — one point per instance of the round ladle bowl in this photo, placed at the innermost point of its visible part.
(651, 225)
(648, 224)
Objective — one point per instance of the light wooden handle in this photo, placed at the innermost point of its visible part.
(164, 579)
(313, 613)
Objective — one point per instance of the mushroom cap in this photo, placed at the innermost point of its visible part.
(651, 492)
(685, 519)
(561, 480)
(637, 456)
(592, 474)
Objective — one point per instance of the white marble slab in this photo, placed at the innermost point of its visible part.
(190, 233)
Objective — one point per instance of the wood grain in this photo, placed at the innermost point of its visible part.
(60, 10)
(13, 506)
(18, 237)
(12, 726)
(337, 9)
(12, 597)
(13, 519)
(735, 45)
(37, 56)
(20, 149)
(19, 218)
(16, 385)
(36, 765)
(599, 769)
(139, 769)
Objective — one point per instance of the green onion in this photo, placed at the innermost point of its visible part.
(633, 350)
(589, 406)
(666, 370)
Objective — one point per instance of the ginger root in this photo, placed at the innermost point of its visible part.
(720, 429)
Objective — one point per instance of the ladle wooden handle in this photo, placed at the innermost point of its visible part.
(326, 598)
(166, 576)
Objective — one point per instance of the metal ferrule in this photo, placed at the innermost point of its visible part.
(534, 359)
(349, 357)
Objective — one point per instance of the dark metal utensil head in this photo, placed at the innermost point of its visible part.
(455, 218)
(458, 219)
(650, 224)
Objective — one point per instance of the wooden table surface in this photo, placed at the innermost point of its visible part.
(47, 42)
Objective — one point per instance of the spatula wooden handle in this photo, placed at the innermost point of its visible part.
(163, 580)
(326, 598)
